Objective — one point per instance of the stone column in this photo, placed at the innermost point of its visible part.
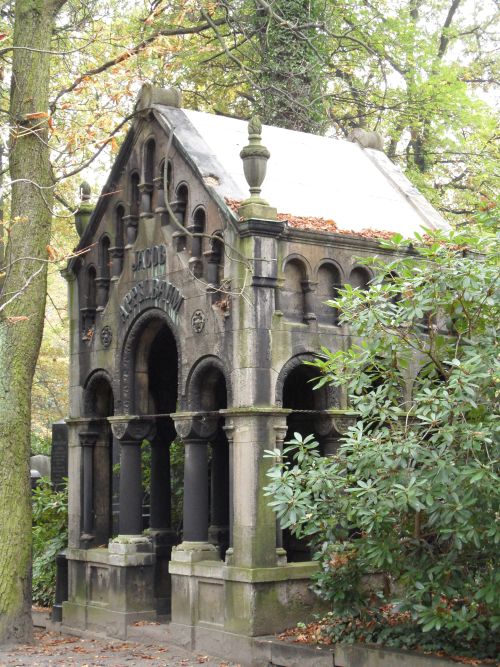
(308, 289)
(131, 223)
(195, 430)
(330, 427)
(280, 430)
(116, 253)
(160, 479)
(88, 440)
(131, 432)
(219, 492)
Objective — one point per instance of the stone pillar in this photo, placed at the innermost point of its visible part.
(253, 521)
(131, 432)
(102, 285)
(308, 289)
(146, 190)
(131, 223)
(116, 253)
(88, 440)
(195, 430)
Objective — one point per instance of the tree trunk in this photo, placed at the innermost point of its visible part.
(21, 320)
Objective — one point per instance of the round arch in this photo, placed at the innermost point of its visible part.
(204, 384)
(135, 356)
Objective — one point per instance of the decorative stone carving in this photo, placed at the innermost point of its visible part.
(106, 336)
(255, 157)
(198, 321)
(88, 438)
(195, 426)
(132, 428)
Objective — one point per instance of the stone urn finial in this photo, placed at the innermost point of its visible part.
(255, 156)
(84, 211)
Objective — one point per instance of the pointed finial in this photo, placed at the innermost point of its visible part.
(255, 156)
(84, 211)
(84, 191)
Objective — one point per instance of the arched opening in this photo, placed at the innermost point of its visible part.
(360, 277)
(306, 404)
(292, 293)
(100, 455)
(155, 390)
(327, 289)
(208, 395)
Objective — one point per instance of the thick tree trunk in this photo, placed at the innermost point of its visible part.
(21, 320)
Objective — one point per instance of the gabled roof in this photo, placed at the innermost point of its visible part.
(308, 176)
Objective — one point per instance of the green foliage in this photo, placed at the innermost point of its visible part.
(406, 513)
(177, 484)
(50, 535)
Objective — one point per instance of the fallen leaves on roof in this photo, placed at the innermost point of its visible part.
(319, 224)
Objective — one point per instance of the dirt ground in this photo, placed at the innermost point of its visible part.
(51, 649)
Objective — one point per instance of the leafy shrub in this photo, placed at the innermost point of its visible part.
(50, 535)
(406, 513)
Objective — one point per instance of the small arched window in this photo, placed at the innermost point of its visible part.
(328, 285)
(149, 161)
(292, 294)
(360, 277)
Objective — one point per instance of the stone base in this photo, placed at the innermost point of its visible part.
(101, 619)
(111, 588)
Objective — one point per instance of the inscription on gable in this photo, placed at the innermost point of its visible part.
(149, 257)
(156, 292)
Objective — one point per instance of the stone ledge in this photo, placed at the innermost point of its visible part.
(291, 571)
(210, 569)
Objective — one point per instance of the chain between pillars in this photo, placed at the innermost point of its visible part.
(130, 432)
(88, 441)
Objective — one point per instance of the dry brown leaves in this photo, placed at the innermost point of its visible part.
(319, 224)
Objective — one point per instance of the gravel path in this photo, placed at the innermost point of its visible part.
(51, 649)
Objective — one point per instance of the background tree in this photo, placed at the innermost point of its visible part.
(402, 517)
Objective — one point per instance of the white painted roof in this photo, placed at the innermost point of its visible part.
(307, 175)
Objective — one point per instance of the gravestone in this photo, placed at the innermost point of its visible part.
(41, 463)
(59, 454)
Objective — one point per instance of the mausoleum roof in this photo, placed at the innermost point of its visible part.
(309, 177)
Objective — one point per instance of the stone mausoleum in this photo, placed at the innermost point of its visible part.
(194, 303)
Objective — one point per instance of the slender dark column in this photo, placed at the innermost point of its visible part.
(229, 429)
(88, 440)
(160, 483)
(195, 513)
(219, 485)
(130, 488)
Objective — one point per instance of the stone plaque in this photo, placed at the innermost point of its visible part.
(59, 454)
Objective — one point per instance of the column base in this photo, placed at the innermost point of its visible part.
(194, 552)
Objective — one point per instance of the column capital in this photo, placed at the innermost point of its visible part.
(132, 428)
(334, 423)
(88, 438)
(195, 425)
